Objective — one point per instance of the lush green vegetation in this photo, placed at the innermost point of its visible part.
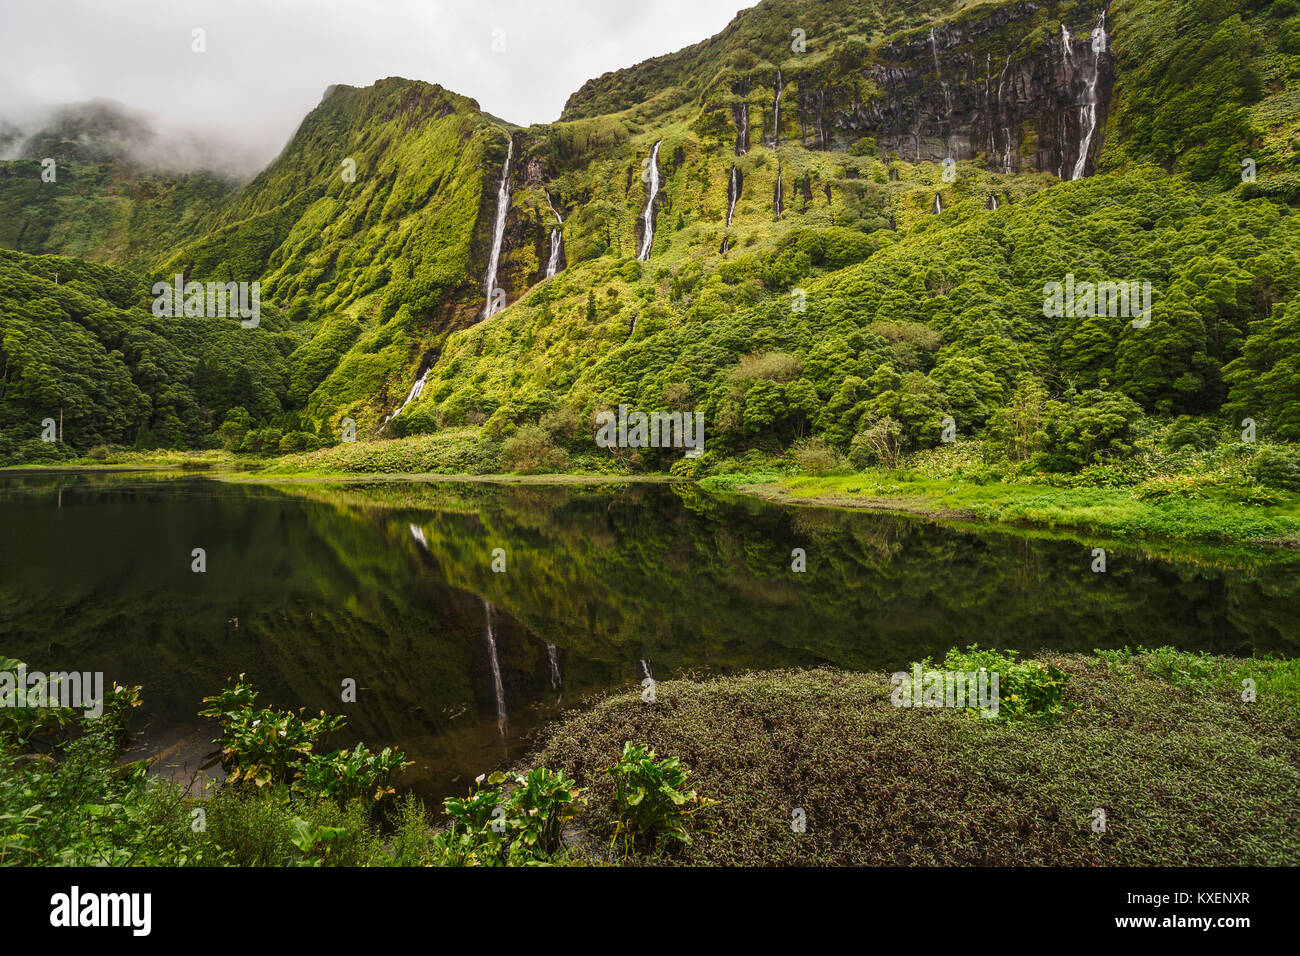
(1134, 735)
(855, 319)
(65, 799)
(1143, 737)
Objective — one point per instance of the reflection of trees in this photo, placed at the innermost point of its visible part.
(618, 571)
(328, 582)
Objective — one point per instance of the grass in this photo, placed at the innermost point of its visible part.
(1106, 510)
(1185, 772)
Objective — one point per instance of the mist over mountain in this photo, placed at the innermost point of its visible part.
(107, 131)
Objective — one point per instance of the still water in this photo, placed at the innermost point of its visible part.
(391, 584)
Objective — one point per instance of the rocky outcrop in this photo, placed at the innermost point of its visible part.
(1013, 85)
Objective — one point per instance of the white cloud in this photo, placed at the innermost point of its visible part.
(268, 61)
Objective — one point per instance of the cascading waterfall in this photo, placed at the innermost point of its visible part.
(498, 231)
(555, 666)
(938, 204)
(1006, 130)
(647, 240)
(557, 241)
(411, 396)
(733, 191)
(645, 669)
(776, 110)
(943, 84)
(1088, 112)
(742, 139)
(1065, 39)
(489, 634)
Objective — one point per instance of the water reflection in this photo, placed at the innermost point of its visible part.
(391, 584)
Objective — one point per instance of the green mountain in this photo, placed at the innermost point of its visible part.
(831, 215)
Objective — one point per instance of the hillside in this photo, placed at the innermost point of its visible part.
(842, 228)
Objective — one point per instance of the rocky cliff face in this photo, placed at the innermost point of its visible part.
(1025, 91)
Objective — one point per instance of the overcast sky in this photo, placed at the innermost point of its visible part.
(268, 61)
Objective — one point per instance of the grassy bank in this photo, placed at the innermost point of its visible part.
(1185, 772)
(1105, 510)
(1228, 494)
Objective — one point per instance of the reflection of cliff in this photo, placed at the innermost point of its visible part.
(614, 573)
(309, 584)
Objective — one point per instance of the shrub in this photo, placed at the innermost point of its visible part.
(651, 798)
(269, 747)
(1027, 690)
(1277, 468)
(814, 456)
(490, 827)
(530, 450)
(880, 443)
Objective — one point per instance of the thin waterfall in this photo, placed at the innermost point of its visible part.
(557, 241)
(776, 110)
(411, 396)
(938, 205)
(489, 634)
(947, 96)
(555, 666)
(1065, 39)
(418, 534)
(742, 138)
(1088, 112)
(733, 193)
(648, 238)
(993, 201)
(645, 669)
(777, 203)
(498, 232)
(1006, 130)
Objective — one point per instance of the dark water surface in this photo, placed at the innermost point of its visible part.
(391, 584)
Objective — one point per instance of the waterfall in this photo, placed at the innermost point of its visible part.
(645, 669)
(557, 241)
(555, 666)
(418, 534)
(993, 201)
(490, 635)
(776, 110)
(632, 331)
(1065, 39)
(498, 230)
(733, 193)
(947, 96)
(1006, 130)
(778, 190)
(938, 204)
(1088, 112)
(648, 238)
(411, 396)
(742, 136)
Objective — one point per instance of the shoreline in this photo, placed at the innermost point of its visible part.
(1090, 512)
